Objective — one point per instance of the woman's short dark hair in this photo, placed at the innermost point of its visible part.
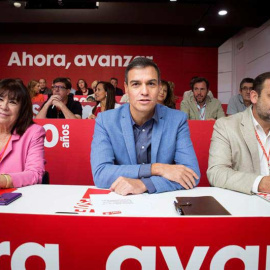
(16, 90)
(110, 100)
(170, 99)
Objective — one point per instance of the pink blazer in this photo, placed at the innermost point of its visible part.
(24, 157)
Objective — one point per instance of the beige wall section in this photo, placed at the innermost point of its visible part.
(247, 54)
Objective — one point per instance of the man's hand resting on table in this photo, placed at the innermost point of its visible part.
(264, 185)
(124, 186)
(177, 173)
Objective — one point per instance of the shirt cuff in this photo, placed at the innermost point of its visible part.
(256, 184)
(144, 171)
(149, 185)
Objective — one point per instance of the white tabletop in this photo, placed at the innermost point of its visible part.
(49, 199)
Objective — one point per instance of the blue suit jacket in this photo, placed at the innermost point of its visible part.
(113, 152)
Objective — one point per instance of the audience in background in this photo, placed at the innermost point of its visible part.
(34, 89)
(82, 88)
(118, 91)
(91, 98)
(172, 85)
(241, 101)
(72, 90)
(105, 98)
(61, 103)
(239, 151)
(21, 141)
(43, 87)
(200, 106)
(165, 95)
(124, 98)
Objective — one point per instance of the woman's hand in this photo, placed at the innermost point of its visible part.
(5, 181)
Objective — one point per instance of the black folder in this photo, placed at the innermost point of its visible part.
(203, 205)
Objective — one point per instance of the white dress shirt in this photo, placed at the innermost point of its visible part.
(265, 140)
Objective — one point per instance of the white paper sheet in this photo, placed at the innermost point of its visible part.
(114, 204)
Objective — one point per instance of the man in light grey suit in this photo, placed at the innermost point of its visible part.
(240, 146)
(200, 106)
(143, 146)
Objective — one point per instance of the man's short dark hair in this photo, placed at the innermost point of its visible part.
(114, 79)
(259, 82)
(141, 62)
(191, 81)
(63, 80)
(246, 80)
(199, 80)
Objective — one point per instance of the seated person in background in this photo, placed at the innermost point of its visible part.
(241, 101)
(143, 146)
(105, 98)
(33, 88)
(61, 103)
(189, 93)
(72, 90)
(172, 85)
(21, 141)
(82, 88)
(200, 106)
(118, 91)
(239, 151)
(124, 99)
(165, 95)
(43, 87)
(91, 98)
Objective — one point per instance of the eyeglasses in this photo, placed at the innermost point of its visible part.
(245, 88)
(60, 87)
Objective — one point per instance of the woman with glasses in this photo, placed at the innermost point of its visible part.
(21, 141)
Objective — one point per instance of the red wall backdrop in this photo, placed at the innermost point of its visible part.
(177, 64)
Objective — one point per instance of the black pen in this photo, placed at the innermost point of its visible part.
(72, 213)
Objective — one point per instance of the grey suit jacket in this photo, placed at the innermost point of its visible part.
(233, 157)
(213, 108)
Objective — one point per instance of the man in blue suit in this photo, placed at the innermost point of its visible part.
(143, 146)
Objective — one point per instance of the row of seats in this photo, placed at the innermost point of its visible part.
(68, 145)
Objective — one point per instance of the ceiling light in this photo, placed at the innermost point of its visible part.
(222, 12)
(17, 4)
(173, 0)
(201, 29)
